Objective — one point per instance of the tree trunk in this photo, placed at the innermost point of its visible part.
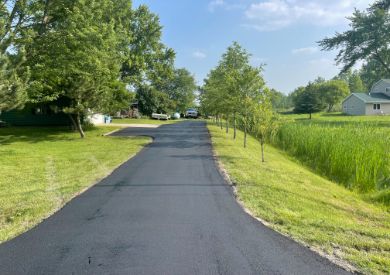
(310, 116)
(227, 125)
(245, 134)
(235, 127)
(262, 150)
(79, 127)
(221, 123)
(77, 124)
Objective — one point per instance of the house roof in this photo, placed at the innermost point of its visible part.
(386, 81)
(373, 98)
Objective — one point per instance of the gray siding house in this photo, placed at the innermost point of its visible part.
(376, 102)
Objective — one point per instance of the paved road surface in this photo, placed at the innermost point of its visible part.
(166, 211)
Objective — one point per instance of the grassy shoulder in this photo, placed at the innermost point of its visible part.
(43, 168)
(144, 121)
(305, 206)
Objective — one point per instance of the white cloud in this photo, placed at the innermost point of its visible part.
(270, 15)
(307, 50)
(199, 55)
(216, 4)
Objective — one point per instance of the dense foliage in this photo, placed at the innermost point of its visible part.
(92, 56)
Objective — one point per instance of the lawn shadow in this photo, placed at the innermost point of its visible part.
(34, 135)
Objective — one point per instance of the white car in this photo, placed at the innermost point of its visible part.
(191, 113)
(161, 116)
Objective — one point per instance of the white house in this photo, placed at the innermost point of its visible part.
(376, 102)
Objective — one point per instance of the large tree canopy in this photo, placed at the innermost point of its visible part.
(182, 90)
(13, 73)
(76, 57)
(367, 39)
(87, 55)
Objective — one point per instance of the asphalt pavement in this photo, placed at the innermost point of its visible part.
(165, 211)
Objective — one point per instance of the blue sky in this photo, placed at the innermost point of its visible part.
(280, 33)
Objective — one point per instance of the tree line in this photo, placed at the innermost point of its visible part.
(235, 92)
(84, 56)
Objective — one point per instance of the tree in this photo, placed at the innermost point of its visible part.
(213, 93)
(232, 86)
(13, 72)
(356, 84)
(251, 86)
(264, 120)
(234, 64)
(12, 83)
(372, 71)
(279, 100)
(182, 89)
(148, 62)
(354, 81)
(235, 83)
(382, 4)
(332, 92)
(76, 58)
(150, 100)
(308, 100)
(367, 39)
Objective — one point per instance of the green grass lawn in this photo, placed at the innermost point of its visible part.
(310, 209)
(43, 168)
(145, 121)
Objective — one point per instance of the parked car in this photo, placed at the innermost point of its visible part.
(161, 116)
(191, 113)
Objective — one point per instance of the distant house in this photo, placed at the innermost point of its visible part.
(376, 102)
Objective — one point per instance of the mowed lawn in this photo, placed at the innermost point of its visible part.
(43, 168)
(310, 209)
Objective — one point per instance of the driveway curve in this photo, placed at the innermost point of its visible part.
(166, 211)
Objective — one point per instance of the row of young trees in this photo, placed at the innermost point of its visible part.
(236, 92)
(84, 56)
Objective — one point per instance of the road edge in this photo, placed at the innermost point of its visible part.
(82, 191)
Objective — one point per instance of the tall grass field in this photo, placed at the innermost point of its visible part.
(354, 153)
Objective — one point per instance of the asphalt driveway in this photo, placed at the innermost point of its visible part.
(166, 211)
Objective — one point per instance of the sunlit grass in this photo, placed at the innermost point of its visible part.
(356, 155)
(311, 209)
(43, 168)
